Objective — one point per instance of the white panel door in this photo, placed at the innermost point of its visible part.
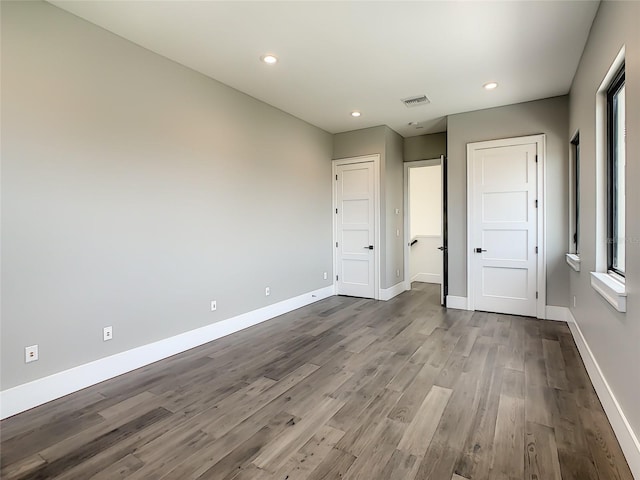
(355, 200)
(504, 229)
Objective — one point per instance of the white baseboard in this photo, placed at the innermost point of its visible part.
(427, 278)
(459, 303)
(624, 433)
(388, 293)
(560, 314)
(23, 397)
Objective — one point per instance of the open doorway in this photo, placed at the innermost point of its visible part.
(425, 223)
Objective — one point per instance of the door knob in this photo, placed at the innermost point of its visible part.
(480, 250)
(441, 249)
(370, 247)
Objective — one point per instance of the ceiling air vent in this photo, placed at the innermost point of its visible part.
(415, 101)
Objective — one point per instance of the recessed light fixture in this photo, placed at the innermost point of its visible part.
(490, 85)
(269, 58)
(355, 113)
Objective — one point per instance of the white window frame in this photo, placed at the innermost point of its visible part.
(611, 286)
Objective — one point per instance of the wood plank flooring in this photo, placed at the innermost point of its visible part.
(345, 388)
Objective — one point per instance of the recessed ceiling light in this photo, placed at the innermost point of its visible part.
(270, 59)
(490, 86)
(355, 113)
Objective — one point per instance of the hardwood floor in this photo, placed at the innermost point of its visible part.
(345, 388)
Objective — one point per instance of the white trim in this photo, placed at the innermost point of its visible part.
(541, 273)
(612, 290)
(624, 433)
(407, 224)
(375, 158)
(560, 314)
(427, 278)
(23, 397)
(388, 293)
(573, 260)
(460, 303)
(601, 162)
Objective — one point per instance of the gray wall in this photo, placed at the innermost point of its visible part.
(549, 116)
(134, 191)
(394, 186)
(425, 147)
(366, 141)
(613, 337)
(388, 144)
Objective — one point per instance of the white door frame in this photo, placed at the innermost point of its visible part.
(375, 158)
(407, 239)
(541, 264)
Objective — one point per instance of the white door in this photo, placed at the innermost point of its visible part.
(355, 229)
(503, 236)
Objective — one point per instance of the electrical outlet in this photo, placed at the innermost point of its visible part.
(31, 354)
(324, 275)
(107, 333)
(214, 305)
(267, 291)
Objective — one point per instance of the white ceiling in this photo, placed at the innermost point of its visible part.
(336, 57)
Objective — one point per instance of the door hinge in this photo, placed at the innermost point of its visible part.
(336, 244)
(536, 158)
(536, 204)
(336, 277)
(536, 294)
(336, 177)
(336, 211)
(536, 250)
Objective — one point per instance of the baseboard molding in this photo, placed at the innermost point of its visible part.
(389, 293)
(23, 397)
(459, 303)
(621, 427)
(427, 278)
(560, 314)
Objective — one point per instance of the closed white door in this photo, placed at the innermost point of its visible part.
(504, 228)
(355, 229)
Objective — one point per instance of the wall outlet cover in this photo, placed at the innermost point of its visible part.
(31, 354)
(107, 333)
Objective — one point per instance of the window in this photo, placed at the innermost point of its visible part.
(573, 257)
(608, 279)
(616, 133)
(575, 143)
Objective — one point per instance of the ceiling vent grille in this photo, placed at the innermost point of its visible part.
(415, 101)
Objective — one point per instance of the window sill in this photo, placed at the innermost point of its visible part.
(573, 260)
(611, 289)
